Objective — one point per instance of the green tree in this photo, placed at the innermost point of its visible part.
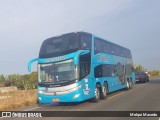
(26, 81)
(2, 80)
(33, 80)
(18, 82)
(138, 68)
(12, 78)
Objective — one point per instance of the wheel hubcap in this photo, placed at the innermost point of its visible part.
(97, 93)
(127, 84)
(104, 91)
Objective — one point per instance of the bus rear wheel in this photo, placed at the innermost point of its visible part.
(104, 91)
(129, 84)
(97, 95)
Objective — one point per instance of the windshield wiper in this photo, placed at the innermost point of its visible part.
(63, 81)
(46, 82)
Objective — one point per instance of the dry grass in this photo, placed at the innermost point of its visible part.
(19, 98)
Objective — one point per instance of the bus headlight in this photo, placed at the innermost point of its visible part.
(75, 96)
(40, 91)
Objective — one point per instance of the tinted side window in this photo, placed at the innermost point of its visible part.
(130, 56)
(123, 52)
(108, 47)
(84, 70)
(108, 70)
(57, 46)
(128, 53)
(129, 69)
(120, 69)
(97, 45)
(120, 51)
(86, 41)
(102, 46)
(115, 50)
(104, 71)
(98, 71)
(85, 63)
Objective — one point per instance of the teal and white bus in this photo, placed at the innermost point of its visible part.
(77, 66)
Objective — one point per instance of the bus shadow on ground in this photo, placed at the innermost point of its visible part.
(70, 103)
(63, 104)
(138, 82)
(154, 81)
(151, 81)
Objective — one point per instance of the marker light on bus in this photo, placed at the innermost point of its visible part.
(75, 96)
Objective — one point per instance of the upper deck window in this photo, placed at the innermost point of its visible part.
(57, 46)
(102, 46)
(65, 44)
(86, 41)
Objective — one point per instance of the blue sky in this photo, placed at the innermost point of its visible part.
(24, 24)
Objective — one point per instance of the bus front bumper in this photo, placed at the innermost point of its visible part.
(76, 96)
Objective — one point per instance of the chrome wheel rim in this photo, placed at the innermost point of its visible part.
(104, 93)
(97, 93)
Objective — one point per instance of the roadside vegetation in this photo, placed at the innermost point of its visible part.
(16, 99)
(25, 93)
(154, 73)
(22, 82)
(138, 68)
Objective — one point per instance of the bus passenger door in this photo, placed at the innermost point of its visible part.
(84, 74)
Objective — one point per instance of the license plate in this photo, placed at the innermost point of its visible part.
(55, 99)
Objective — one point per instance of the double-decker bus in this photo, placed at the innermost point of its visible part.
(77, 66)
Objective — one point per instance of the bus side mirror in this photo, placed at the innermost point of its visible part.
(30, 64)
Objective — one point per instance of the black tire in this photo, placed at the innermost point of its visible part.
(145, 80)
(104, 94)
(97, 95)
(129, 84)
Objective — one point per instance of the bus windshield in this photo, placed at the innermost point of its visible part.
(59, 72)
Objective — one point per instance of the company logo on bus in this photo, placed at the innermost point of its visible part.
(103, 58)
(55, 59)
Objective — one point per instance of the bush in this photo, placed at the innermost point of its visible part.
(22, 82)
(154, 73)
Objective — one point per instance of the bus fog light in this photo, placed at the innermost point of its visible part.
(75, 96)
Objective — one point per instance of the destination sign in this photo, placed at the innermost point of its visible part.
(103, 58)
(55, 59)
